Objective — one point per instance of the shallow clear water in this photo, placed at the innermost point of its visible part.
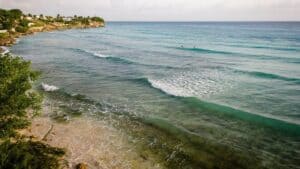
(236, 84)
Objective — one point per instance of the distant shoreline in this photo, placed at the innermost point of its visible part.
(11, 40)
(14, 24)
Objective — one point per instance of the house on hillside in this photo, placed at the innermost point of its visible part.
(69, 18)
(29, 18)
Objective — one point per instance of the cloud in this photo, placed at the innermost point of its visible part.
(165, 9)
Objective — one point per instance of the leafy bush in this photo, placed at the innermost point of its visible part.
(97, 19)
(7, 17)
(16, 77)
(15, 81)
(22, 29)
(29, 154)
(15, 13)
(7, 24)
(9, 125)
(24, 22)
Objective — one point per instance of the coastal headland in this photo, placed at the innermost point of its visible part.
(14, 23)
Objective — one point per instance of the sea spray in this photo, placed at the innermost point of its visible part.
(49, 88)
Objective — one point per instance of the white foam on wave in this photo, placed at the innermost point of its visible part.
(49, 88)
(192, 84)
(97, 54)
(168, 88)
(5, 50)
(100, 55)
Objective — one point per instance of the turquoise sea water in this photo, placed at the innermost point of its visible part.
(235, 85)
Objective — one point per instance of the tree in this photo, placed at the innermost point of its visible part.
(15, 13)
(22, 29)
(7, 24)
(85, 21)
(16, 77)
(97, 19)
(15, 81)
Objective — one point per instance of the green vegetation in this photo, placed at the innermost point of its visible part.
(15, 23)
(23, 26)
(9, 18)
(29, 154)
(97, 19)
(16, 100)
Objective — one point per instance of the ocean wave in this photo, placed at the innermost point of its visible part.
(202, 50)
(100, 55)
(196, 104)
(5, 50)
(268, 76)
(49, 88)
(119, 59)
(191, 83)
(169, 88)
(163, 87)
(237, 54)
(268, 47)
(90, 52)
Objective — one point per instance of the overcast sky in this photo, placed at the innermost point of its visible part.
(165, 10)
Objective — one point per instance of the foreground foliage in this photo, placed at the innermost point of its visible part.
(29, 154)
(16, 100)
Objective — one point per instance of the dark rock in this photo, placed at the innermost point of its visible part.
(81, 166)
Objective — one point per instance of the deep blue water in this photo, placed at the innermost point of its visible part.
(235, 83)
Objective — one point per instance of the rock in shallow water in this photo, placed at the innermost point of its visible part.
(81, 166)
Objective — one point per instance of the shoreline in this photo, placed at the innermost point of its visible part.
(11, 39)
(92, 142)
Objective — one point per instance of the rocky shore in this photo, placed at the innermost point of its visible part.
(89, 143)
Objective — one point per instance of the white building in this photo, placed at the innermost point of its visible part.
(3, 31)
(67, 18)
(29, 18)
(30, 24)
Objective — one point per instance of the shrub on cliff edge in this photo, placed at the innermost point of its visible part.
(16, 98)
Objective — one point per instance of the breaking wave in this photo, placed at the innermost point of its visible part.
(49, 88)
